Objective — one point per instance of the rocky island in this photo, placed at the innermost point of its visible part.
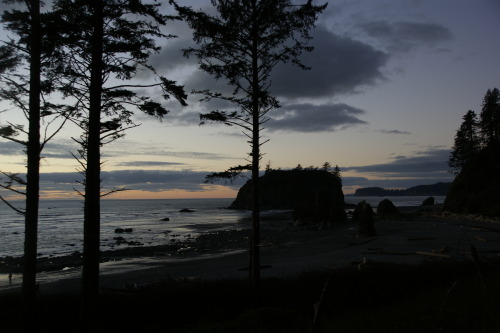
(314, 195)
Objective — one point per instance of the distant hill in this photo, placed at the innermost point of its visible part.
(440, 189)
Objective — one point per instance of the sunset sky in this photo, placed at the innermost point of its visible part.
(390, 82)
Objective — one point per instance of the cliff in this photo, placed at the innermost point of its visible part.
(314, 195)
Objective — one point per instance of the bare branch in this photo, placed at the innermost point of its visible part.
(17, 210)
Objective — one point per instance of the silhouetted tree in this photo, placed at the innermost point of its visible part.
(489, 122)
(467, 143)
(243, 43)
(106, 39)
(32, 48)
(299, 167)
(336, 172)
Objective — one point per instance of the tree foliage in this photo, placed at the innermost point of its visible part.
(466, 144)
(474, 136)
(489, 122)
(130, 31)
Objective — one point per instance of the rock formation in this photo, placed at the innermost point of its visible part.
(363, 214)
(386, 210)
(315, 196)
(428, 202)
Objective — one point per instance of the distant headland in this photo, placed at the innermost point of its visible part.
(440, 189)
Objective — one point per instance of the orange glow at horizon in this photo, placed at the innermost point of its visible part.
(217, 191)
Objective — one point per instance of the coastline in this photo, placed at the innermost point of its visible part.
(421, 236)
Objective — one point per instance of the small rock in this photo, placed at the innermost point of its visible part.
(186, 210)
(166, 219)
(428, 202)
(119, 240)
(121, 230)
(387, 211)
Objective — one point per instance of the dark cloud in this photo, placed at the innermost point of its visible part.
(314, 118)
(395, 132)
(171, 55)
(431, 163)
(11, 148)
(339, 65)
(146, 163)
(406, 36)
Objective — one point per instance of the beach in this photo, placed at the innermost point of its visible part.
(286, 250)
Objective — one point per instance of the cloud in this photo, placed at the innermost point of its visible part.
(171, 55)
(430, 163)
(314, 118)
(339, 65)
(146, 163)
(395, 132)
(423, 168)
(406, 36)
(145, 180)
(11, 148)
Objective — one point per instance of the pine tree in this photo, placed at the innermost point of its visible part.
(31, 48)
(243, 43)
(489, 122)
(104, 42)
(467, 142)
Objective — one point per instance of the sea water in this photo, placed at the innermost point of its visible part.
(60, 227)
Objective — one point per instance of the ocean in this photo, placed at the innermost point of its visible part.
(61, 222)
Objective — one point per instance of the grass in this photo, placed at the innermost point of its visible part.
(432, 297)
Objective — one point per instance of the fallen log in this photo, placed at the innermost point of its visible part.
(432, 254)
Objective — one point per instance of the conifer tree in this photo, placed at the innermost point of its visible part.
(489, 122)
(242, 44)
(27, 91)
(106, 42)
(466, 144)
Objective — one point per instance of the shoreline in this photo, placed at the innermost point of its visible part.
(286, 250)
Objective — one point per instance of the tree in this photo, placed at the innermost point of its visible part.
(489, 122)
(336, 172)
(105, 42)
(467, 143)
(242, 44)
(33, 49)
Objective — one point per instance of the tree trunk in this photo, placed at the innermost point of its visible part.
(29, 289)
(255, 249)
(91, 232)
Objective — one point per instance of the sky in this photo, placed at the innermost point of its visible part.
(389, 83)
